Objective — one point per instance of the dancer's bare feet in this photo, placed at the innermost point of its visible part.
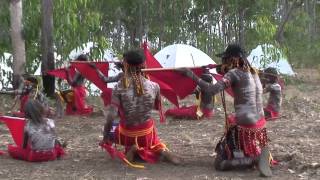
(172, 158)
(131, 153)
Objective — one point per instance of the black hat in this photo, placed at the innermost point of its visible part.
(134, 57)
(233, 50)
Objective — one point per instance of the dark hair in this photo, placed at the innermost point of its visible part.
(32, 80)
(234, 57)
(134, 57)
(34, 111)
(271, 74)
(232, 50)
(82, 57)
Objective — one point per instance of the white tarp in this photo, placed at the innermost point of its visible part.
(267, 55)
(182, 55)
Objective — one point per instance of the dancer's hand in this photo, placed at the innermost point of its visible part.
(185, 71)
(93, 65)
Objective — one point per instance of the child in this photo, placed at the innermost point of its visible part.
(272, 86)
(40, 142)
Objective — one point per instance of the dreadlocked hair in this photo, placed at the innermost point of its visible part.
(241, 63)
(136, 74)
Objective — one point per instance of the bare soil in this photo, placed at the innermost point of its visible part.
(294, 143)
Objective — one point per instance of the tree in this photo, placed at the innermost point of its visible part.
(18, 45)
(47, 51)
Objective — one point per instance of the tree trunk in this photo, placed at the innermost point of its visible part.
(241, 27)
(18, 45)
(47, 52)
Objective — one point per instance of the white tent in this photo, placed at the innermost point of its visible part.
(181, 55)
(267, 55)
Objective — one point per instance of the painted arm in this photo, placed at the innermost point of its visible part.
(25, 140)
(106, 79)
(73, 80)
(209, 87)
(111, 114)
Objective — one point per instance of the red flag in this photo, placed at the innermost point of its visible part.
(16, 128)
(165, 90)
(182, 86)
(92, 75)
(62, 72)
(151, 61)
(59, 73)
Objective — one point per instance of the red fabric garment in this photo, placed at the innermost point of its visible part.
(35, 156)
(78, 106)
(1, 153)
(251, 137)
(149, 145)
(189, 112)
(273, 114)
(16, 128)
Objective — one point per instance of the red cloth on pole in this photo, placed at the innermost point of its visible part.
(92, 75)
(189, 112)
(16, 128)
(185, 85)
(35, 156)
(59, 73)
(165, 90)
(62, 72)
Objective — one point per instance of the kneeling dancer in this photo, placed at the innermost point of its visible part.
(133, 99)
(244, 143)
(40, 142)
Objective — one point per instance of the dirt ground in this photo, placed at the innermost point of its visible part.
(294, 142)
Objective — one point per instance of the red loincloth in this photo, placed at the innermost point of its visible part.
(250, 137)
(143, 135)
(273, 115)
(189, 112)
(78, 105)
(35, 156)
